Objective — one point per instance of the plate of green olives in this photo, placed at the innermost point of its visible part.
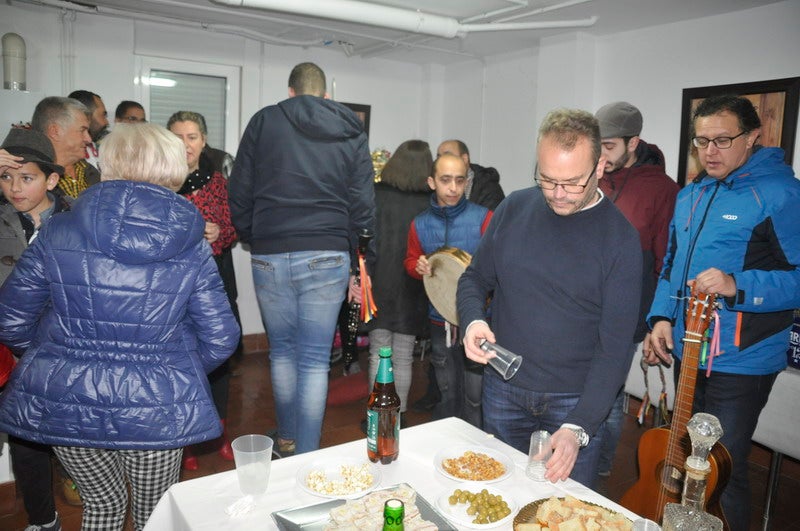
(476, 506)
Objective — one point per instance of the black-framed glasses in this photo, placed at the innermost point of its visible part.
(722, 142)
(570, 188)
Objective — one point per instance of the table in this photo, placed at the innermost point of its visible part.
(200, 504)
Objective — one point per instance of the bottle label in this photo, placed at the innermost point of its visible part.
(372, 431)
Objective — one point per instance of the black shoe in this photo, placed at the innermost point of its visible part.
(426, 403)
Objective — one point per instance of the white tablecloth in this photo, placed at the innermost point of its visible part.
(200, 503)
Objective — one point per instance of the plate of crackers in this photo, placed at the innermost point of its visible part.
(473, 463)
(569, 514)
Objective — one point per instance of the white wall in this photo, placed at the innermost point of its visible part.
(495, 106)
(105, 49)
(651, 67)
(648, 67)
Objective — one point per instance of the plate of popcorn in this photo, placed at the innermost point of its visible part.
(473, 463)
(341, 478)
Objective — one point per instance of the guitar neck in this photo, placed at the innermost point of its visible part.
(684, 398)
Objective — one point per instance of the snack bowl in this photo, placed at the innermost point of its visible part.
(458, 451)
(339, 477)
(458, 513)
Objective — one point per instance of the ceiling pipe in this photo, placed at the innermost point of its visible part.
(510, 26)
(361, 13)
(357, 12)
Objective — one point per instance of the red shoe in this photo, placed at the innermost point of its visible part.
(189, 461)
(225, 451)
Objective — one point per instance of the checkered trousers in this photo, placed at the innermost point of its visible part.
(101, 477)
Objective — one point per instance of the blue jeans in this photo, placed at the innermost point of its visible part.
(448, 363)
(512, 414)
(300, 295)
(736, 400)
(611, 435)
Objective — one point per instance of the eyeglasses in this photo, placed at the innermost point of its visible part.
(570, 188)
(722, 142)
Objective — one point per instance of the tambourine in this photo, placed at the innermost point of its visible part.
(447, 266)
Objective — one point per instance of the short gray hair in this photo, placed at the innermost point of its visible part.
(189, 116)
(144, 153)
(567, 126)
(58, 110)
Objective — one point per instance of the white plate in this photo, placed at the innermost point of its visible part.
(332, 469)
(458, 451)
(458, 513)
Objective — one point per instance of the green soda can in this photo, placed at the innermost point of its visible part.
(393, 514)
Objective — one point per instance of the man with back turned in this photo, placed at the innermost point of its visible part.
(300, 191)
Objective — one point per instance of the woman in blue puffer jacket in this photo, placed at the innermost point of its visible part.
(119, 313)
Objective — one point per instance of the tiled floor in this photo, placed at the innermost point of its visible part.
(251, 411)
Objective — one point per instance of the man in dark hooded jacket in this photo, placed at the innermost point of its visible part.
(300, 191)
(636, 183)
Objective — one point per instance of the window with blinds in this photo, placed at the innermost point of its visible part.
(175, 91)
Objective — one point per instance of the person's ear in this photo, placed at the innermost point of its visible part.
(432, 183)
(53, 130)
(326, 96)
(465, 158)
(52, 180)
(633, 143)
(752, 136)
(600, 168)
(292, 93)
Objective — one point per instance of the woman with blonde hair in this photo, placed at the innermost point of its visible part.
(119, 313)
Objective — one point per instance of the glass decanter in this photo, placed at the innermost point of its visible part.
(704, 431)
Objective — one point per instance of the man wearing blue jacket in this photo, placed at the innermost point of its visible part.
(300, 191)
(734, 233)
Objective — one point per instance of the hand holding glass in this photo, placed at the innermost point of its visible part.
(253, 457)
(538, 454)
(505, 362)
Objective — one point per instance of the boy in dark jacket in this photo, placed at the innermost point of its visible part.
(450, 221)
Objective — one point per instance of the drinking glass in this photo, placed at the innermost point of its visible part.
(253, 457)
(505, 362)
(538, 454)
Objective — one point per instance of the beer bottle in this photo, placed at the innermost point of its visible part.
(383, 413)
(393, 515)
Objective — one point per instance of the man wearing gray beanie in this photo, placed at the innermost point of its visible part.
(637, 184)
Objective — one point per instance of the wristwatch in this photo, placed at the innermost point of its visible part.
(580, 435)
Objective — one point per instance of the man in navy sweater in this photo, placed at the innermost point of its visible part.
(565, 267)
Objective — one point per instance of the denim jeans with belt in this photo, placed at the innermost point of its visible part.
(300, 295)
(512, 413)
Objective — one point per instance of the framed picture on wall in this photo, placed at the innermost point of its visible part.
(776, 102)
(362, 111)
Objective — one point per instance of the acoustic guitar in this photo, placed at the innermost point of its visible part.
(663, 451)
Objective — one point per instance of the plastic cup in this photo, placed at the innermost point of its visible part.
(538, 454)
(505, 362)
(643, 524)
(253, 457)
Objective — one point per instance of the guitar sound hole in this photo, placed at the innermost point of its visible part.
(672, 480)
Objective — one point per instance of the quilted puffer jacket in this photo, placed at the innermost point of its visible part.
(120, 313)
